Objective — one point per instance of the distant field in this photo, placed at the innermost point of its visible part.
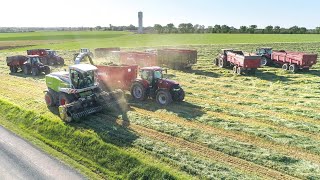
(76, 40)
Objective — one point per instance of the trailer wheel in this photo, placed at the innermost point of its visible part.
(222, 63)
(285, 67)
(138, 92)
(293, 68)
(239, 70)
(216, 62)
(26, 70)
(234, 69)
(13, 69)
(35, 71)
(163, 97)
(49, 99)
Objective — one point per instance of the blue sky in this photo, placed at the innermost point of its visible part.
(284, 13)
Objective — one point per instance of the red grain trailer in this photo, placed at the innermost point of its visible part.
(293, 61)
(117, 76)
(177, 58)
(142, 59)
(241, 62)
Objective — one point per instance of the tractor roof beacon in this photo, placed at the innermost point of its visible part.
(77, 93)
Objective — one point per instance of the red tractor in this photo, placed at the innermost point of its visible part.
(152, 84)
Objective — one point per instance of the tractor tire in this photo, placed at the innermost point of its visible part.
(47, 70)
(65, 99)
(239, 70)
(264, 61)
(234, 69)
(293, 68)
(26, 70)
(179, 96)
(49, 99)
(35, 71)
(138, 92)
(285, 67)
(61, 61)
(163, 97)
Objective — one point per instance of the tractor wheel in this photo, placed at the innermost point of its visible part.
(179, 96)
(47, 70)
(35, 71)
(163, 97)
(239, 70)
(61, 61)
(26, 70)
(293, 68)
(138, 92)
(234, 69)
(285, 67)
(264, 61)
(49, 99)
(65, 99)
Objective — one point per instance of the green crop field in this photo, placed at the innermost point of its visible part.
(264, 126)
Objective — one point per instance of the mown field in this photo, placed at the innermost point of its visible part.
(229, 127)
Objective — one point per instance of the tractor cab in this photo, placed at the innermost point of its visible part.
(83, 76)
(33, 60)
(151, 74)
(84, 50)
(51, 53)
(264, 51)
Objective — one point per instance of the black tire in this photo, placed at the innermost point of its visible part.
(49, 99)
(285, 67)
(138, 91)
(264, 61)
(163, 97)
(179, 96)
(61, 61)
(234, 69)
(52, 62)
(65, 99)
(13, 69)
(216, 62)
(26, 70)
(47, 70)
(35, 71)
(239, 70)
(222, 63)
(252, 71)
(293, 68)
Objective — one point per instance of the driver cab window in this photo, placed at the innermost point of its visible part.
(157, 74)
(75, 78)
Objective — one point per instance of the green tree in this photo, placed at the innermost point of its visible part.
(225, 29)
(217, 28)
(170, 27)
(276, 29)
(252, 28)
(158, 28)
(318, 30)
(268, 30)
(243, 29)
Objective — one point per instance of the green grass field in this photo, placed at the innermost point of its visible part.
(264, 126)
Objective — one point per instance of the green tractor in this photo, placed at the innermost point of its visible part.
(77, 93)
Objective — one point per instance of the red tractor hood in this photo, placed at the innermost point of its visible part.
(166, 83)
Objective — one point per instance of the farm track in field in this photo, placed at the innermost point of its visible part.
(206, 152)
(243, 137)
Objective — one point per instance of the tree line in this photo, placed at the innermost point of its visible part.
(252, 29)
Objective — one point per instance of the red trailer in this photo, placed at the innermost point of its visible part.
(117, 76)
(241, 62)
(293, 61)
(177, 58)
(103, 52)
(142, 59)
